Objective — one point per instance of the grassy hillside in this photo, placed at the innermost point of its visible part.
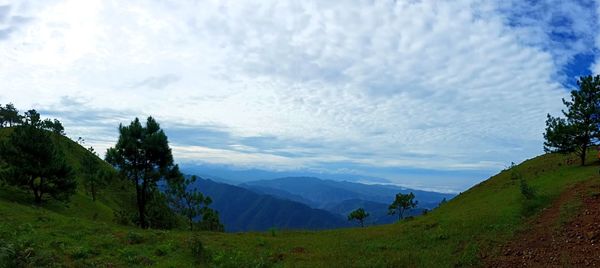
(118, 193)
(460, 232)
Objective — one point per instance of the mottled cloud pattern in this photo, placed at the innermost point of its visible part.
(365, 87)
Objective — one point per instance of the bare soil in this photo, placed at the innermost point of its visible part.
(553, 241)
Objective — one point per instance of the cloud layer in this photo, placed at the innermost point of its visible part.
(457, 85)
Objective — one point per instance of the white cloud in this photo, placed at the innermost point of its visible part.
(447, 85)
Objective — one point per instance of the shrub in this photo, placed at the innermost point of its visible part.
(123, 217)
(18, 253)
(273, 231)
(82, 253)
(161, 250)
(197, 248)
(134, 238)
(526, 190)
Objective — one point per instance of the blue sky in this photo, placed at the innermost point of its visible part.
(429, 94)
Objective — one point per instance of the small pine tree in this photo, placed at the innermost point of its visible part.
(94, 178)
(359, 215)
(402, 203)
(186, 199)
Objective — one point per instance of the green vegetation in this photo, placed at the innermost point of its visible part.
(401, 203)
(96, 231)
(581, 127)
(190, 202)
(360, 215)
(9, 116)
(457, 233)
(33, 162)
(94, 178)
(142, 155)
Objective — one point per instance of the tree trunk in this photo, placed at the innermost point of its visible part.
(140, 204)
(583, 153)
(143, 204)
(38, 197)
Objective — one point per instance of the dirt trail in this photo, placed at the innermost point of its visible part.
(553, 241)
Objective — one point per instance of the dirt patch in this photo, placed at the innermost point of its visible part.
(554, 242)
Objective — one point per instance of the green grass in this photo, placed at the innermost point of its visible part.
(459, 233)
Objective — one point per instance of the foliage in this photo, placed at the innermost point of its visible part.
(186, 200)
(360, 215)
(94, 178)
(123, 217)
(158, 214)
(581, 126)
(210, 220)
(134, 238)
(142, 154)
(401, 203)
(526, 190)
(197, 248)
(9, 116)
(35, 163)
(54, 125)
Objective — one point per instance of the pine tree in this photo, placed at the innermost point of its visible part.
(34, 163)
(142, 154)
(186, 200)
(580, 128)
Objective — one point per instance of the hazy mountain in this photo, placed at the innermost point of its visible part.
(233, 175)
(328, 193)
(243, 210)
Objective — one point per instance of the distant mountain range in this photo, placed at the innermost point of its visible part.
(241, 209)
(324, 194)
(305, 203)
(236, 176)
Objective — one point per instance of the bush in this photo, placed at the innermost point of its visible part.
(18, 253)
(197, 248)
(134, 238)
(527, 191)
(83, 253)
(162, 250)
(273, 231)
(123, 217)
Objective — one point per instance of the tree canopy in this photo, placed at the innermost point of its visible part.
(359, 215)
(580, 128)
(35, 163)
(186, 199)
(142, 154)
(401, 203)
(9, 116)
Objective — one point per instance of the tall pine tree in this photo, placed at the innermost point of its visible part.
(142, 154)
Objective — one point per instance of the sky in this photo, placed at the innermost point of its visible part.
(427, 94)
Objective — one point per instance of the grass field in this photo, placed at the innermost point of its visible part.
(459, 233)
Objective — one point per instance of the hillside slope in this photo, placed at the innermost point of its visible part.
(473, 225)
(117, 194)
